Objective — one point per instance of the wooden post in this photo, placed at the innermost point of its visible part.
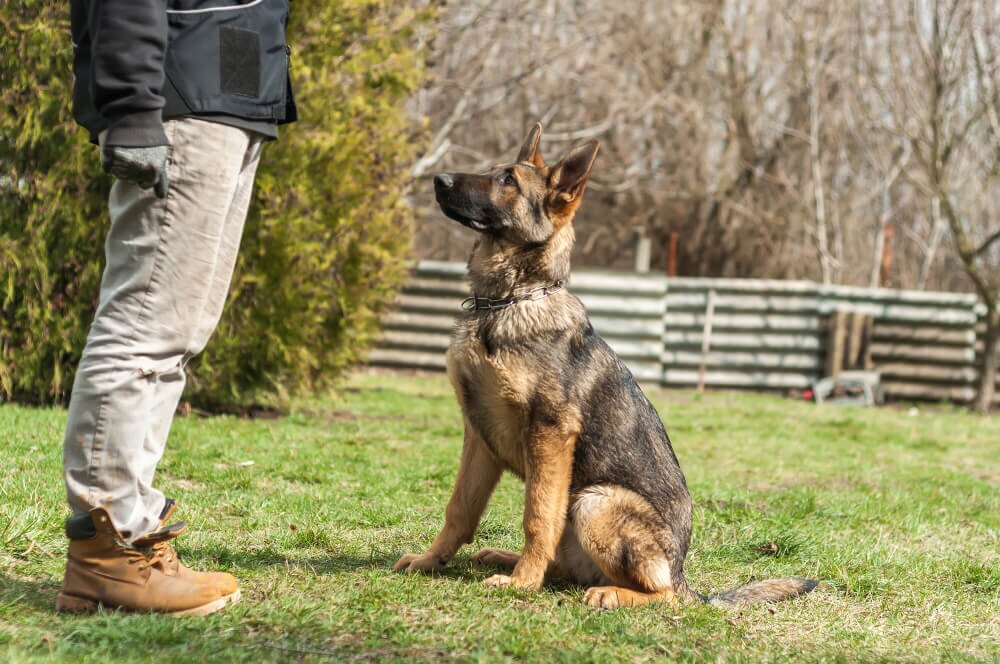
(858, 353)
(835, 342)
(886, 257)
(706, 338)
(855, 331)
(672, 255)
(643, 248)
(867, 332)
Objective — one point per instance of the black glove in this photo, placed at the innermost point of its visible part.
(145, 167)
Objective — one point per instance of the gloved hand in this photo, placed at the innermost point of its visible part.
(146, 167)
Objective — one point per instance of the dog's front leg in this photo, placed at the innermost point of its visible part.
(548, 472)
(478, 474)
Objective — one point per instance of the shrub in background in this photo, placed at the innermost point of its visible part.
(326, 237)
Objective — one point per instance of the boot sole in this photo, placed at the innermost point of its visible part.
(73, 604)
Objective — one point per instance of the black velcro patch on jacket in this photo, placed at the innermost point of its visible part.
(239, 61)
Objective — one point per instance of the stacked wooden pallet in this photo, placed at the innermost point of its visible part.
(724, 333)
(742, 333)
(922, 342)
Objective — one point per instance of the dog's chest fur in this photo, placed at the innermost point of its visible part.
(494, 396)
(494, 367)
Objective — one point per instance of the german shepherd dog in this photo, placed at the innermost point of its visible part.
(543, 396)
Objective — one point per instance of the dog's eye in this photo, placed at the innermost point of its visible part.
(508, 180)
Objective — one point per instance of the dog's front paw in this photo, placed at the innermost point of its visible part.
(602, 597)
(504, 581)
(498, 581)
(418, 562)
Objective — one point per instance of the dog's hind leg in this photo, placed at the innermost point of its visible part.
(501, 558)
(571, 561)
(627, 541)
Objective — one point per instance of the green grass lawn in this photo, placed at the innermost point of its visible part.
(896, 512)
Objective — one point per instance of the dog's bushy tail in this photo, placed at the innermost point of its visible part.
(771, 590)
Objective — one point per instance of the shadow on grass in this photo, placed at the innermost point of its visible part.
(262, 559)
(461, 569)
(39, 595)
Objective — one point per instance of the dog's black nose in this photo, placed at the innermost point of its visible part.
(444, 180)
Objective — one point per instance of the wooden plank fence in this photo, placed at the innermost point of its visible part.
(763, 334)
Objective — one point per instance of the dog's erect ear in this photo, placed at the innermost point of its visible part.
(569, 177)
(530, 153)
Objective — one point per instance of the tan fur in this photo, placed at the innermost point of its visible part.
(613, 597)
(549, 466)
(608, 520)
(505, 395)
(501, 558)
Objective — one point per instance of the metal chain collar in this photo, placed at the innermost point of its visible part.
(476, 303)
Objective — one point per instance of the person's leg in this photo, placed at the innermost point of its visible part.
(170, 385)
(160, 276)
(229, 247)
(216, 279)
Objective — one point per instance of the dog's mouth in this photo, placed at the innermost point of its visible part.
(460, 213)
(468, 222)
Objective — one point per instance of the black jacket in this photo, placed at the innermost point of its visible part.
(135, 58)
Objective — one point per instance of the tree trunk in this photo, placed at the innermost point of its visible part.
(988, 367)
(988, 292)
(819, 196)
(937, 231)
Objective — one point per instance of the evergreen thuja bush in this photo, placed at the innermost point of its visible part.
(326, 237)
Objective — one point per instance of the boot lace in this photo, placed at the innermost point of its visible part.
(163, 551)
(145, 558)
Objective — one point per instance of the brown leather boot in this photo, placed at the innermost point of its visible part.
(170, 563)
(101, 570)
